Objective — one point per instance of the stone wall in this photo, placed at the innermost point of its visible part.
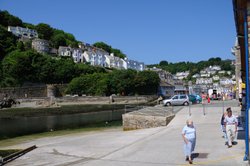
(16, 126)
(23, 92)
(103, 100)
(32, 91)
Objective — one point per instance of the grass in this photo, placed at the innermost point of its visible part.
(88, 128)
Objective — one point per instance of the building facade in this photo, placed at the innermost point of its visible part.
(77, 55)
(23, 32)
(166, 87)
(64, 51)
(40, 45)
(135, 65)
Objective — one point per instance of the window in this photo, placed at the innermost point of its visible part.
(175, 97)
(183, 97)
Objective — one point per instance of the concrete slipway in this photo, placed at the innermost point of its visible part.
(146, 147)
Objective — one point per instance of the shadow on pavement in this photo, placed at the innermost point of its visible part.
(241, 135)
(199, 155)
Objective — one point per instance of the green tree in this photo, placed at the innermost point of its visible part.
(118, 53)
(7, 42)
(147, 82)
(44, 31)
(47, 71)
(61, 38)
(121, 82)
(82, 69)
(163, 63)
(28, 45)
(226, 65)
(7, 19)
(90, 84)
(58, 40)
(20, 46)
(28, 25)
(64, 70)
(17, 67)
(109, 49)
(103, 46)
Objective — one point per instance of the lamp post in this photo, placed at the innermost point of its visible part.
(246, 157)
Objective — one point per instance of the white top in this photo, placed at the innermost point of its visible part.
(189, 132)
(230, 120)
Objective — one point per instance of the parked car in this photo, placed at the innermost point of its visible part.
(198, 99)
(192, 99)
(177, 100)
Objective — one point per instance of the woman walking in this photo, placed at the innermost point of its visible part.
(189, 137)
(223, 128)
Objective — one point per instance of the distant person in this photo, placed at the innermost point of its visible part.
(189, 137)
(230, 123)
(223, 129)
(203, 96)
(111, 99)
(159, 100)
(208, 99)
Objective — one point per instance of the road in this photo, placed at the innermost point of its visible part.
(147, 147)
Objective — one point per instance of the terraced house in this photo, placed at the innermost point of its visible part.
(23, 32)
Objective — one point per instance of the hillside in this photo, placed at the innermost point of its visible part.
(195, 68)
(29, 56)
(21, 62)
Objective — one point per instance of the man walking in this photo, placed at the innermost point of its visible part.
(230, 123)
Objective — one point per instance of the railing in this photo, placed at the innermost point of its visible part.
(14, 156)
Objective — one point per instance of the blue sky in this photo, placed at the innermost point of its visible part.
(145, 30)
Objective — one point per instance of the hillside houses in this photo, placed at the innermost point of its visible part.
(211, 77)
(85, 53)
(181, 75)
(98, 57)
(200, 81)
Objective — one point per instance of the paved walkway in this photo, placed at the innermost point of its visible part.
(148, 147)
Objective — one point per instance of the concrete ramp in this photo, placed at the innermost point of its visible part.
(147, 118)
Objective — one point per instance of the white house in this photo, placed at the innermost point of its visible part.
(226, 81)
(23, 32)
(115, 62)
(96, 58)
(77, 55)
(131, 64)
(222, 72)
(216, 77)
(196, 76)
(205, 75)
(229, 72)
(216, 68)
(205, 81)
(182, 75)
(203, 72)
(64, 51)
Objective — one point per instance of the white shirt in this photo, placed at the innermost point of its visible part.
(189, 132)
(230, 120)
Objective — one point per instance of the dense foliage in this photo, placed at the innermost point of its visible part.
(109, 49)
(19, 67)
(123, 82)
